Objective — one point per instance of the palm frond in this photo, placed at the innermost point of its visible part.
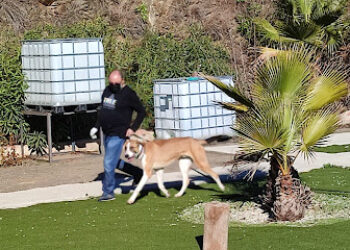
(305, 8)
(270, 32)
(285, 73)
(293, 116)
(261, 129)
(234, 106)
(325, 14)
(317, 127)
(325, 89)
(229, 90)
(267, 29)
(266, 53)
(316, 22)
(303, 51)
(335, 33)
(301, 32)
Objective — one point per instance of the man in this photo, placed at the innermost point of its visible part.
(118, 103)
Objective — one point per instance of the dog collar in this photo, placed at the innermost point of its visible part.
(140, 153)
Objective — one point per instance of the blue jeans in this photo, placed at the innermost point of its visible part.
(113, 148)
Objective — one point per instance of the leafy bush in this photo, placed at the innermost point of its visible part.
(12, 86)
(36, 142)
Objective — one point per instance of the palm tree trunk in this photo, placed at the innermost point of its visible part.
(285, 197)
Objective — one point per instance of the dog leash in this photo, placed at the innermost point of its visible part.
(201, 173)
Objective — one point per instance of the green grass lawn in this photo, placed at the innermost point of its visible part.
(153, 222)
(333, 149)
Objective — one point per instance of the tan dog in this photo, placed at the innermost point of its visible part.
(157, 154)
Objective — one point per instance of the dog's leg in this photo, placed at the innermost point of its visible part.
(159, 173)
(139, 187)
(202, 162)
(184, 165)
(215, 178)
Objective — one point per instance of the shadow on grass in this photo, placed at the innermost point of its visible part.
(236, 189)
(153, 188)
(243, 190)
(199, 240)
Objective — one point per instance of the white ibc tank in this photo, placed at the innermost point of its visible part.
(186, 107)
(63, 72)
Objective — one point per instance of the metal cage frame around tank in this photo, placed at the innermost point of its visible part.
(176, 129)
(49, 73)
(70, 109)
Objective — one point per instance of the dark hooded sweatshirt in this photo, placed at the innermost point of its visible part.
(116, 112)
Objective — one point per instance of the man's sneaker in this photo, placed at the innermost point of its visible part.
(106, 197)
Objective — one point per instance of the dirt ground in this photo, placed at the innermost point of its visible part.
(67, 168)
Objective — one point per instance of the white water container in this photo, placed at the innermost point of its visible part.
(63, 72)
(186, 107)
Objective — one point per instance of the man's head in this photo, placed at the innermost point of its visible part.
(116, 81)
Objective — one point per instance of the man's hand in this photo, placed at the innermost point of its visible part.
(129, 132)
(93, 132)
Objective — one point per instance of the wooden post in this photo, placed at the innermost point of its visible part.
(216, 219)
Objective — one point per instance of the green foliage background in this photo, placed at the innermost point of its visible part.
(153, 56)
(12, 85)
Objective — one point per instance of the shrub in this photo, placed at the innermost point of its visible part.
(12, 86)
(36, 142)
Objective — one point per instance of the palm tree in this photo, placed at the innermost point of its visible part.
(288, 112)
(320, 23)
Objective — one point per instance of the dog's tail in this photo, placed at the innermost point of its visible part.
(218, 138)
